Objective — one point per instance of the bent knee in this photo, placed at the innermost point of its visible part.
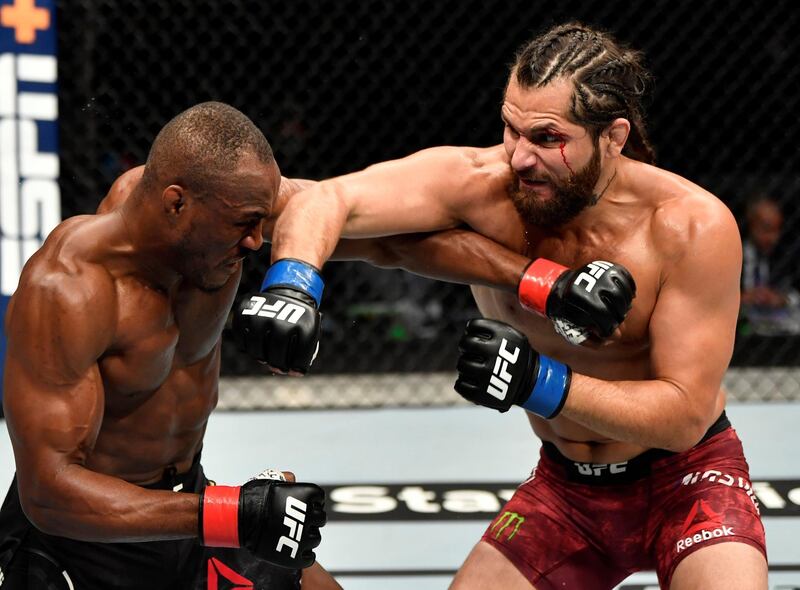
(732, 564)
(486, 568)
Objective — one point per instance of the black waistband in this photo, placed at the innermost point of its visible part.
(189, 481)
(625, 471)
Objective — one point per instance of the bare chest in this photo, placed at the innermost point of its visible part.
(158, 335)
(625, 354)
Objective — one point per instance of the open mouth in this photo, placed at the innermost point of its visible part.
(530, 182)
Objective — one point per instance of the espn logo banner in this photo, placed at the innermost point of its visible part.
(30, 200)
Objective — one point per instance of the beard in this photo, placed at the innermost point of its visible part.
(570, 196)
(211, 281)
(199, 271)
(211, 284)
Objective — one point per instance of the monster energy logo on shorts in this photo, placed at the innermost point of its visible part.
(504, 522)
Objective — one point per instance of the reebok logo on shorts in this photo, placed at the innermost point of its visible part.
(703, 535)
(218, 570)
(701, 524)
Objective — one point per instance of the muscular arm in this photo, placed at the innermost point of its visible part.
(691, 333)
(58, 326)
(431, 190)
(456, 256)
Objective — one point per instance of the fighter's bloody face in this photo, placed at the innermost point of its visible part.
(555, 163)
(228, 224)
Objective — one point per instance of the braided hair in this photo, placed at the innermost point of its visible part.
(609, 79)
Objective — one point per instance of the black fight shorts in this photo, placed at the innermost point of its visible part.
(32, 560)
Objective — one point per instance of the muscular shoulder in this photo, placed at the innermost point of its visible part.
(62, 315)
(688, 219)
(466, 159)
(120, 190)
(486, 168)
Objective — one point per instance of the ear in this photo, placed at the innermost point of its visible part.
(617, 134)
(173, 199)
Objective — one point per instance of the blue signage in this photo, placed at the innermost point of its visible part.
(30, 201)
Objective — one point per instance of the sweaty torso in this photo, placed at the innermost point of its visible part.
(160, 378)
(160, 375)
(631, 241)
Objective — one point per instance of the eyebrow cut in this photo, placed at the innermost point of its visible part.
(536, 129)
(546, 128)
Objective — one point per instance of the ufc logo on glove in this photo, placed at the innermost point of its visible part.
(596, 270)
(498, 383)
(279, 309)
(294, 519)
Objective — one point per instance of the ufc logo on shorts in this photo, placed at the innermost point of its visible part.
(294, 519)
(598, 468)
(498, 383)
(280, 309)
(596, 270)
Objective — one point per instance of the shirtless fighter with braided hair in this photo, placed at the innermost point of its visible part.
(633, 428)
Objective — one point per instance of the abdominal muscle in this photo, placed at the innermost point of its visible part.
(581, 444)
(623, 357)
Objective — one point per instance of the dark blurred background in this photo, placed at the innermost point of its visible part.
(337, 85)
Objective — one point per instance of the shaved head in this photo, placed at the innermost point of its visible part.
(200, 145)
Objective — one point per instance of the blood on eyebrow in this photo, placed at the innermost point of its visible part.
(561, 147)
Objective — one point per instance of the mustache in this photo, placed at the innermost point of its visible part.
(532, 177)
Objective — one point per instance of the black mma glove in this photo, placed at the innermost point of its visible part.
(280, 325)
(275, 520)
(591, 300)
(497, 368)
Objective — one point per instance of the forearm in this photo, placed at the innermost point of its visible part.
(310, 226)
(456, 256)
(653, 413)
(89, 506)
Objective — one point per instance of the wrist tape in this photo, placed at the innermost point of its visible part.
(550, 388)
(536, 283)
(295, 274)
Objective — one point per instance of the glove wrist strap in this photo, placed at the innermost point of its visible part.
(295, 274)
(220, 516)
(550, 388)
(536, 283)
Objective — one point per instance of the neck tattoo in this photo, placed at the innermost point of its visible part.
(596, 198)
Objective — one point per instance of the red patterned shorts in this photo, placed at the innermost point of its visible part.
(589, 526)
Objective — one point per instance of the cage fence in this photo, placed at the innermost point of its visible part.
(339, 85)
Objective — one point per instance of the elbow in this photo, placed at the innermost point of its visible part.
(690, 431)
(685, 418)
(385, 252)
(42, 503)
(323, 196)
(41, 515)
(328, 194)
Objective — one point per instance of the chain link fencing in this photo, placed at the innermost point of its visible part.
(339, 85)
